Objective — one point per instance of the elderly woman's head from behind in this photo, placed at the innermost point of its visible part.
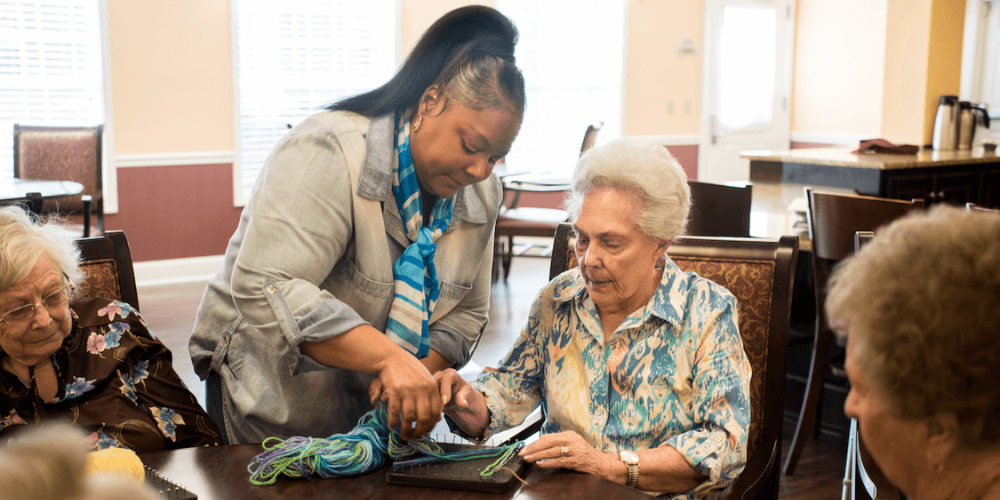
(629, 201)
(38, 262)
(921, 308)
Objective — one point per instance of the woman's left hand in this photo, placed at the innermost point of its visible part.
(570, 451)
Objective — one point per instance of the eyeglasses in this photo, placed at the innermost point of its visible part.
(51, 301)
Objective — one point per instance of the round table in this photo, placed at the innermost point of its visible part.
(16, 189)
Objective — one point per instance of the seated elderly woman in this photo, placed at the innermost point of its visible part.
(88, 361)
(919, 306)
(639, 366)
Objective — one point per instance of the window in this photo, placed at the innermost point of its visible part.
(51, 68)
(293, 57)
(572, 57)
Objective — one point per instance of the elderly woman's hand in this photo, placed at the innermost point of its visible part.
(569, 450)
(462, 403)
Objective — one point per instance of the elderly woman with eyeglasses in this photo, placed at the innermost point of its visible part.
(639, 366)
(88, 361)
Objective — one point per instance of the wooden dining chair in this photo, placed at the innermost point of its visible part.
(864, 478)
(107, 265)
(759, 273)
(64, 153)
(720, 209)
(833, 221)
(530, 221)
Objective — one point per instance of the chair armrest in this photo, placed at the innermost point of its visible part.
(754, 477)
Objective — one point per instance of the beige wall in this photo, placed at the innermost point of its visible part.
(838, 70)
(871, 74)
(171, 76)
(171, 69)
(655, 73)
(907, 49)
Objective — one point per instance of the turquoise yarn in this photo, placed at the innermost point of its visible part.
(360, 451)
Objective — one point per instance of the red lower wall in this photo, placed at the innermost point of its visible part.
(171, 212)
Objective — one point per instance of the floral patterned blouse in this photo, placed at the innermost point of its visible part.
(116, 381)
(674, 373)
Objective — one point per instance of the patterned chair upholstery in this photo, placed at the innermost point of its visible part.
(759, 273)
(107, 264)
(63, 153)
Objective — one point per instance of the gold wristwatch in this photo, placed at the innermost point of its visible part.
(631, 461)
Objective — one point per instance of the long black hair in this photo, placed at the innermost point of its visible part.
(475, 38)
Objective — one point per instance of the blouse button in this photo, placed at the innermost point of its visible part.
(270, 289)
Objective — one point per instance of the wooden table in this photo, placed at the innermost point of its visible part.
(220, 473)
(12, 189)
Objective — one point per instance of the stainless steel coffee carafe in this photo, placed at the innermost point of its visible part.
(946, 123)
(971, 122)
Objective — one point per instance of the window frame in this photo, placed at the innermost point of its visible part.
(240, 198)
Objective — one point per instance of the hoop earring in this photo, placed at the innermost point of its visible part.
(420, 119)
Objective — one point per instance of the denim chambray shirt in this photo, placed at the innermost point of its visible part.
(311, 260)
(674, 373)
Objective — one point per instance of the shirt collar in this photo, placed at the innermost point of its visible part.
(376, 174)
(570, 286)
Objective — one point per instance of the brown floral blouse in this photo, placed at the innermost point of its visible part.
(116, 381)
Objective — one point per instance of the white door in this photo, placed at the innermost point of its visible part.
(746, 84)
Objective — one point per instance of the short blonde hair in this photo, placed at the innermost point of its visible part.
(648, 170)
(23, 240)
(922, 305)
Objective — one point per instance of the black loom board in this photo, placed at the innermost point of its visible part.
(459, 475)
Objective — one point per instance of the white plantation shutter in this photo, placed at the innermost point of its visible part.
(294, 56)
(572, 55)
(51, 68)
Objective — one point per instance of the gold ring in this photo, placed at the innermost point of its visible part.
(563, 451)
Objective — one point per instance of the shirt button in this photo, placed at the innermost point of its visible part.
(270, 289)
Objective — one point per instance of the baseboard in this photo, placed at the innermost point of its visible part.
(832, 139)
(668, 140)
(173, 271)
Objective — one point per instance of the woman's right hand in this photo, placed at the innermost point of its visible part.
(411, 394)
(462, 403)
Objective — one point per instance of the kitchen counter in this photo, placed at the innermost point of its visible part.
(955, 177)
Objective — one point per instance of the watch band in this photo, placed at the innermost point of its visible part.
(633, 475)
(631, 461)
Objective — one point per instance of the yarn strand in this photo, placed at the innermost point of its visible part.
(360, 451)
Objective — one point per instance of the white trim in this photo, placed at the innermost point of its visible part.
(171, 159)
(172, 271)
(833, 139)
(669, 140)
(109, 167)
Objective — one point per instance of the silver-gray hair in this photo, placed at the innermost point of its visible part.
(24, 240)
(648, 170)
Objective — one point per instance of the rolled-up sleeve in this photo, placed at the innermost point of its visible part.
(300, 224)
(715, 445)
(513, 388)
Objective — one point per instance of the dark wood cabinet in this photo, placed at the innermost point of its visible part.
(954, 179)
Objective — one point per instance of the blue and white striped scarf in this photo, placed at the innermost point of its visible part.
(417, 287)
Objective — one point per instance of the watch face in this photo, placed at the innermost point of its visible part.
(629, 457)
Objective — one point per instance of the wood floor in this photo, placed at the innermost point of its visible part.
(170, 311)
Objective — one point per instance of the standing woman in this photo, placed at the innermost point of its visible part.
(330, 299)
